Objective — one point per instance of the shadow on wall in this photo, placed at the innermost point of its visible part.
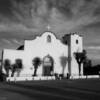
(16, 67)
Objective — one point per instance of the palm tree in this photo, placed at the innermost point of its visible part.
(80, 58)
(7, 66)
(36, 62)
(63, 60)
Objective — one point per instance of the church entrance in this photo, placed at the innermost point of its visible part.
(47, 66)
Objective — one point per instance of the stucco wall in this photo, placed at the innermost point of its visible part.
(75, 47)
(39, 48)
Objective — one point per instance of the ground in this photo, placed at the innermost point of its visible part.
(83, 89)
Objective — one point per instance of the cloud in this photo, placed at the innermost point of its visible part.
(6, 41)
(8, 44)
(36, 13)
(11, 42)
(15, 41)
(24, 19)
(60, 14)
(33, 16)
(93, 47)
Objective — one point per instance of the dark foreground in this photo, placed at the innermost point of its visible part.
(87, 89)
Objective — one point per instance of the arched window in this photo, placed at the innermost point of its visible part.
(48, 38)
(76, 41)
(48, 60)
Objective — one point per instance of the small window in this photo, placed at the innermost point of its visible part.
(76, 41)
(48, 38)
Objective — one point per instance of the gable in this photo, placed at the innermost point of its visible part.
(47, 37)
(46, 43)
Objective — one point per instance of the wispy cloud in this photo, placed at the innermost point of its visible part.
(17, 42)
(24, 19)
(6, 41)
(62, 14)
(93, 47)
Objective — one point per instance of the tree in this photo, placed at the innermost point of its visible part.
(87, 63)
(17, 67)
(87, 67)
(36, 62)
(80, 58)
(19, 63)
(7, 66)
(14, 67)
(65, 39)
(2, 76)
(63, 60)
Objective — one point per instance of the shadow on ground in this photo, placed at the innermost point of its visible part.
(50, 91)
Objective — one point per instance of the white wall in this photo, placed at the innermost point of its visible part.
(75, 47)
(39, 48)
(12, 54)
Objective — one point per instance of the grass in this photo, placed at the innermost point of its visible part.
(80, 89)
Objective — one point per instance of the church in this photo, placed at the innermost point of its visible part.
(56, 57)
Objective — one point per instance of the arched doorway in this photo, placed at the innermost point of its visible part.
(48, 64)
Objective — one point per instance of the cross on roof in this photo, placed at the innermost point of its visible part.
(48, 27)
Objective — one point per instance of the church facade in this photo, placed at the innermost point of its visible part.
(56, 57)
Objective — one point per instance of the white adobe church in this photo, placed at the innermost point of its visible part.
(45, 47)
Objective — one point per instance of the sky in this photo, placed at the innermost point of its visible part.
(25, 19)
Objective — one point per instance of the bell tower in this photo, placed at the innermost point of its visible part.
(75, 44)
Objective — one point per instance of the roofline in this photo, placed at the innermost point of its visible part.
(39, 35)
(76, 33)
